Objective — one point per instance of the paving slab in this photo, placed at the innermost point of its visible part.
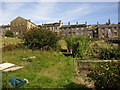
(5, 65)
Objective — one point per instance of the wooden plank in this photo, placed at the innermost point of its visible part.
(5, 65)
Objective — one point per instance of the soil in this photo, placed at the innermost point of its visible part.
(82, 70)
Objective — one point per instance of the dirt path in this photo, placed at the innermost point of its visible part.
(82, 71)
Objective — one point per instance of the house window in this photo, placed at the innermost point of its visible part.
(95, 31)
(77, 29)
(115, 30)
(82, 33)
(69, 33)
(82, 28)
(56, 28)
(103, 30)
(109, 33)
(74, 33)
(77, 33)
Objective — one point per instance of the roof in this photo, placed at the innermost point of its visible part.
(23, 19)
(51, 24)
(72, 26)
(107, 26)
(4, 26)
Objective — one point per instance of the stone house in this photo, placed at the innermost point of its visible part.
(73, 30)
(20, 25)
(3, 28)
(53, 26)
(108, 31)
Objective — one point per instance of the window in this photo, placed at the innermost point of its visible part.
(56, 28)
(109, 30)
(69, 33)
(109, 33)
(95, 31)
(82, 28)
(103, 30)
(77, 29)
(115, 29)
(74, 33)
(77, 33)
(82, 33)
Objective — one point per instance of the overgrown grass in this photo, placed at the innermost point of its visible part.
(10, 40)
(62, 45)
(47, 70)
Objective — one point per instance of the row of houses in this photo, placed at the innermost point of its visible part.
(103, 31)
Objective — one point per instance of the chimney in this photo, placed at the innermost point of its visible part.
(76, 23)
(109, 21)
(68, 23)
(97, 23)
(28, 19)
(60, 21)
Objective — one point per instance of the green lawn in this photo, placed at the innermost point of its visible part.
(47, 70)
(10, 40)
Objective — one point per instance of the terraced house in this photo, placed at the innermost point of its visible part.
(73, 30)
(3, 28)
(55, 27)
(106, 31)
(103, 31)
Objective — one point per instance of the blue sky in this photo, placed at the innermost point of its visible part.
(47, 12)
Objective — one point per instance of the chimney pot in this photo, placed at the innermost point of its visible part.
(68, 23)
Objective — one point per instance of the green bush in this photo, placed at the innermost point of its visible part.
(110, 53)
(37, 38)
(80, 46)
(9, 33)
(11, 47)
(106, 75)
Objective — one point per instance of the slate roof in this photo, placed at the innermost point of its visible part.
(51, 24)
(107, 26)
(72, 26)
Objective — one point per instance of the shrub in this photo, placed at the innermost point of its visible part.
(110, 53)
(11, 47)
(106, 75)
(9, 33)
(37, 38)
(79, 45)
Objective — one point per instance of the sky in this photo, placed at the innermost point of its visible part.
(48, 12)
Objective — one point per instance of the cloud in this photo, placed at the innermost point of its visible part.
(88, 9)
(47, 12)
(9, 10)
(0, 13)
(61, 0)
(42, 11)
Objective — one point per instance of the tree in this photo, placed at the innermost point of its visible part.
(38, 38)
(9, 33)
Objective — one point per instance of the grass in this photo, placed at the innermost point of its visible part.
(47, 70)
(10, 40)
(61, 44)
